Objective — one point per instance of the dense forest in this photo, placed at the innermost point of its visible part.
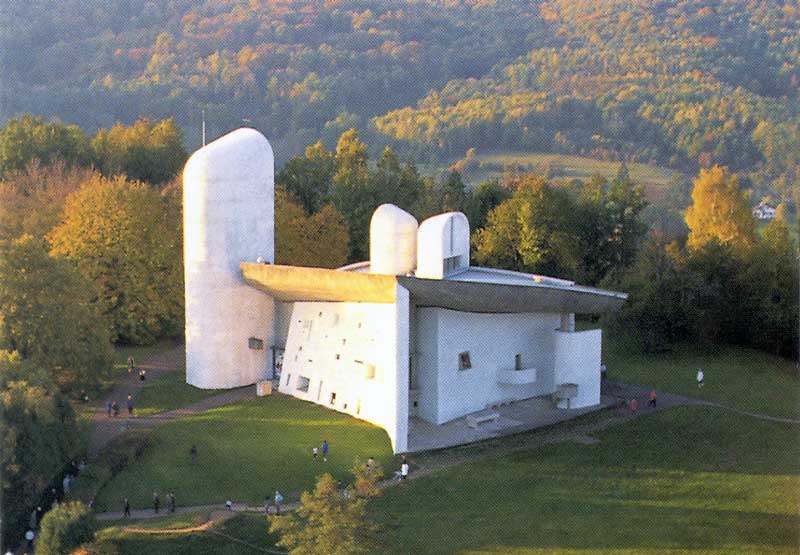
(682, 84)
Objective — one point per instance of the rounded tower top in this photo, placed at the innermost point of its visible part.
(392, 241)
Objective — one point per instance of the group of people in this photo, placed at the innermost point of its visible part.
(112, 408)
(142, 371)
(126, 511)
(324, 447)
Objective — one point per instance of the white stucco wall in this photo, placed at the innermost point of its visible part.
(492, 341)
(334, 346)
(578, 356)
(228, 203)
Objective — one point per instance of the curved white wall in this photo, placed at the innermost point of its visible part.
(392, 241)
(442, 237)
(228, 204)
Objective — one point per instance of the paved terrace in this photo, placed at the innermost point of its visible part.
(515, 417)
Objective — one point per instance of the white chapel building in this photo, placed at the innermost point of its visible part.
(414, 335)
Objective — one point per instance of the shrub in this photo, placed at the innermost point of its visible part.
(113, 459)
(64, 528)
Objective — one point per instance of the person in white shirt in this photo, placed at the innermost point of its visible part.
(404, 471)
(699, 378)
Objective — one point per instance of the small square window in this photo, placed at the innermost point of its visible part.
(464, 363)
(333, 398)
(338, 357)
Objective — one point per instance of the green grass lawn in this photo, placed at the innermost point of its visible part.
(247, 528)
(245, 451)
(688, 480)
(743, 378)
(170, 391)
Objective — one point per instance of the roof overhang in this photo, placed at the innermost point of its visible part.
(294, 283)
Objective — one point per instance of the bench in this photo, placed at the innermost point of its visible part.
(474, 420)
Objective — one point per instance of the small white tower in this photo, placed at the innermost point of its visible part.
(228, 218)
(392, 241)
(443, 246)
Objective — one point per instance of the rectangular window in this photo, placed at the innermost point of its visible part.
(464, 363)
(302, 383)
(288, 378)
(333, 398)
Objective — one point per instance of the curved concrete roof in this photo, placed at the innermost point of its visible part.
(292, 283)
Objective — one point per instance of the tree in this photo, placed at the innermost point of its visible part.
(309, 178)
(453, 192)
(319, 240)
(39, 437)
(367, 479)
(48, 317)
(533, 231)
(655, 314)
(145, 151)
(353, 195)
(31, 200)
(64, 528)
(773, 271)
(483, 198)
(30, 139)
(328, 522)
(719, 211)
(123, 238)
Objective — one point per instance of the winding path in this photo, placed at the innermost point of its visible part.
(425, 463)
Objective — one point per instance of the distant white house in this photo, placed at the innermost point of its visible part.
(416, 332)
(764, 211)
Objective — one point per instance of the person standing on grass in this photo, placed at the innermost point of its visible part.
(325, 448)
(108, 407)
(228, 505)
(278, 501)
(130, 364)
(115, 408)
(156, 502)
(127, 510)
(404, 470)
(193, 454)
(171, 502)
(653, 397)
(130, 405)
(314, 451)
(142, 374)
(700, 378)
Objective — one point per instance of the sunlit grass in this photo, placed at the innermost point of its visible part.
(246, 451)
(688, 480)
(743, 378)
(170, 391)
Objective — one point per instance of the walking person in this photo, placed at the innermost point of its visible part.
(278, 501)
(127, 510)
(108, 407)
(142, 374)
(193, 454)
(266, 505)
(156, 502)
(700, 378)
(404, 470)
(115, 408)
(228, 505)
(653, 398)
(130, 364)
(325, 448)
(171, 502)
(130, 405)
(314, 451)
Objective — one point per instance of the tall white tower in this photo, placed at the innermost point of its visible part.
(228, 218)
